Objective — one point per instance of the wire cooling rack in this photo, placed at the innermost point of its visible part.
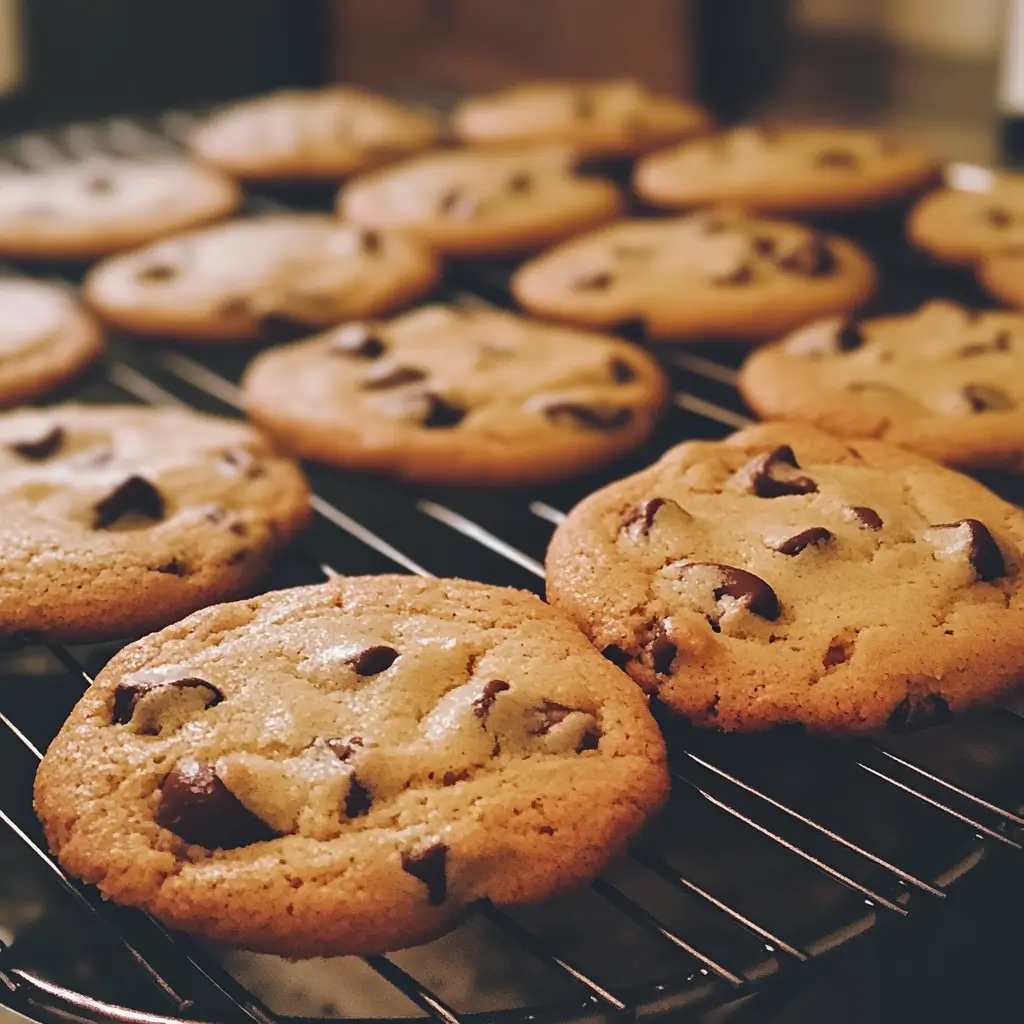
(773, 852)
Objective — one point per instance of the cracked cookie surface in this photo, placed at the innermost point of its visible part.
(346, 768)
(780, 577)
(944, 381)
(458, 395)
(119, 519)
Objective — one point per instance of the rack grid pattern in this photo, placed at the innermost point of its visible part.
(772, 852)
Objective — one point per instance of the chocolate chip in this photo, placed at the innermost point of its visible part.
(638, 519)
(373, 660)
(156, 272)
(589, 741)
(866, 518)
(429, 866)
(520, 183)
(128, 694)
(279, 327)
(850, 337)
(814, 258)
(197, 807)
(835, 655)
(358, 799)
(483, 704)
(594, 281)
(343, 749)
(596, 417)
(795, 544)
(135, 496)
(918, 711)
(982, 551)
(241, 461)
(998, 217)
(451, 778)
(370, 241)
(458, 204)
(356, 340)
(175, 567)
(837, 158)
(750, 590)
(43, 447)
(741, 274)
(386, 377)
(983, 398)
(622, 371)
(440, 412)
(615, 654)
(758, 474)
(100, 185)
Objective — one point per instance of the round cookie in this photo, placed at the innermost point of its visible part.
(779, 577)
(943, 381)
(712, 274)
(270, 277)
(120, 519)
(796, 171)
(302, 135)
(91, 209)
(961, 227)
(454, 395)
(616, 118)
(467, 202)
(347, 768)
(46, 339)
(1002, 275)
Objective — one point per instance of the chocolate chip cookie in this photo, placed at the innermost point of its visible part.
(302, 135)
(795, 170)
(270, 278)
(467, 202)
(119, 519)
(617, 118)
(458, 395)
(781, 577)
(91, 209)
(46, 339)
(960, 226)
(713, 274)
(945, 381)
(346, 768)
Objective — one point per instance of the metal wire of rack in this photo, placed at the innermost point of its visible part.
(773, 851)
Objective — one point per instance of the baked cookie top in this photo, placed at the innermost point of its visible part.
(455, 394)
(711, 274)
(45, 338)
(345, 768)
(307, 134)
(781, 577)
(90, 209)
(478, 202)
(118, 519)
(272, 276)
(962, 226)
(1001, 273)
(795, 170)
(616, 118)
(946, 381)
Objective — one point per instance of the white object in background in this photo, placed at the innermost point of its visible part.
(11, 65)
(1011, 71)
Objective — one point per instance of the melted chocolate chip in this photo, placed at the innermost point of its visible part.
(835, 655)
(843, 158)
(358, 800)
(135, 496)
(429, 866)
(373, 660)
(595, 417)
(742, 273)
(440, 412)
(758, 473)
(458, 204)
(812, 259)
(387, 377)
(638, 519)
(805, 538)
(615, 654)
(594, 281)
(197, 807)
(370, 241)
(984, 398)
(43, 447)
(343, 749)
(520, 183)
(483, 704)
(156, 272)
(175, 567)
(451, 778)
(918, 711)
(622, 371)
(983, 552)
(358, 341)
(998, 217)
(850, 337)
(750, 590)
(128, 694)
(866, 518)
(279, 327)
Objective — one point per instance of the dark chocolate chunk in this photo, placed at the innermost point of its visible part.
(358, 799)
(135, 496)
(615, 654)
(621, 370)
(343, 749)
(128, 694)
(638, 519)
(197, 807)
(595, 417)
(867, 518)
(805, 538)
(814, 258)
(370, 241)
(918, 711)
(356, 340)
(458, 204)
(983, 552)
(373, 660)
(429, 865)
(745, 587)
(155, 272)
(984, 398)
(589, 740)
(451, 778)
(440, 412)
(593, 281)
(843, 158)
(850, 337)
(386, 377)
(483, 704)
(279, 327)
(41, 448)
(998, 217)
(758, 473)
(520, 182)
